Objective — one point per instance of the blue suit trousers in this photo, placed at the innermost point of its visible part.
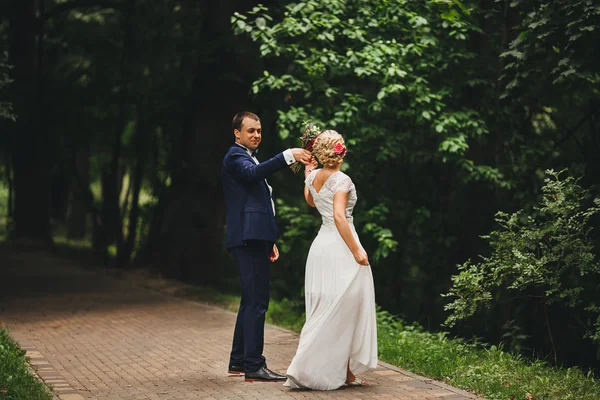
(248, 337)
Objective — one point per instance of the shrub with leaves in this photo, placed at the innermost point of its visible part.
(547, 257)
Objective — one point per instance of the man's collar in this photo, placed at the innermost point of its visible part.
(250, 152)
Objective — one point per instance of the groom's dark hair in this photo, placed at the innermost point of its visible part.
(239, 117)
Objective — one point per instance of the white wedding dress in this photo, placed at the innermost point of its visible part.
(340, 302)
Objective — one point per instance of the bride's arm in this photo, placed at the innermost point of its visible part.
(340, 199)
(310, 167)
(308, 197)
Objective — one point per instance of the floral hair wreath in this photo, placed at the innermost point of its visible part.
(310, 134)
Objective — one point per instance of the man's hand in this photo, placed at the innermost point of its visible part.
(301, 155)
(274, 255)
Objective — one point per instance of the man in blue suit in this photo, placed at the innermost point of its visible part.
(251, 236)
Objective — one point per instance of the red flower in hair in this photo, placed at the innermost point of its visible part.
(339, 149)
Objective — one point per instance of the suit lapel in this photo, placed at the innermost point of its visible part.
(265, 184)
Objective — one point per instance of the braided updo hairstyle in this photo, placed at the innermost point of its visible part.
(323, 148)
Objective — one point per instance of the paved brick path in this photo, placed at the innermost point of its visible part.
(92, 336)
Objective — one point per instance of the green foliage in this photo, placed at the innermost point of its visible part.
(374, 71)
(548, 256)
(550, 75)
(485, 370)
(558, 41)
(384, 236)
(16, 382)
(301, 227)
(396, 78)
(298, 226)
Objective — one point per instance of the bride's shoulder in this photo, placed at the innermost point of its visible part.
(342, 182)
(342, 176)
(310, 177)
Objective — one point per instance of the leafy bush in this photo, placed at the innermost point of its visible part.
(547, 257)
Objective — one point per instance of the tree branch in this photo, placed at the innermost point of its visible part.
(73, 4)
(570, 133)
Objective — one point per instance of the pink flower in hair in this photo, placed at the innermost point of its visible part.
(339, 149)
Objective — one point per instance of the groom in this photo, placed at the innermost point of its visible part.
(251, 235)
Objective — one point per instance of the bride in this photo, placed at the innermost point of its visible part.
(339, 338)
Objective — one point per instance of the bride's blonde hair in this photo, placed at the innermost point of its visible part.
(323, 148)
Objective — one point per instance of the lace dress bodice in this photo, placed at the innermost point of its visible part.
(337, 182)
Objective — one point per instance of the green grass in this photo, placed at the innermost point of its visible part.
(286, 314)
(16, 381)
(489, 372)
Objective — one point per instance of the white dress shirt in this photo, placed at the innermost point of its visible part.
(289, 159)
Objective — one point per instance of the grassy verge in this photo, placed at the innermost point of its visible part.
(16, 381)
(490, 372)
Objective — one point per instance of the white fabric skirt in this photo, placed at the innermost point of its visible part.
(340, 323)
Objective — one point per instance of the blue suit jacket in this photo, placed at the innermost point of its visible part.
(249, 211)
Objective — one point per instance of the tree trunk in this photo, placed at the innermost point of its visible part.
(136, 180)
(186, 235)
(112, 178)
(59, 196)
(78, 212)
(31, 152)
(125, 203)
(99, 243)
(9, 179)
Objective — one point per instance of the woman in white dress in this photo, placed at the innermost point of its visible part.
(339, 338)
